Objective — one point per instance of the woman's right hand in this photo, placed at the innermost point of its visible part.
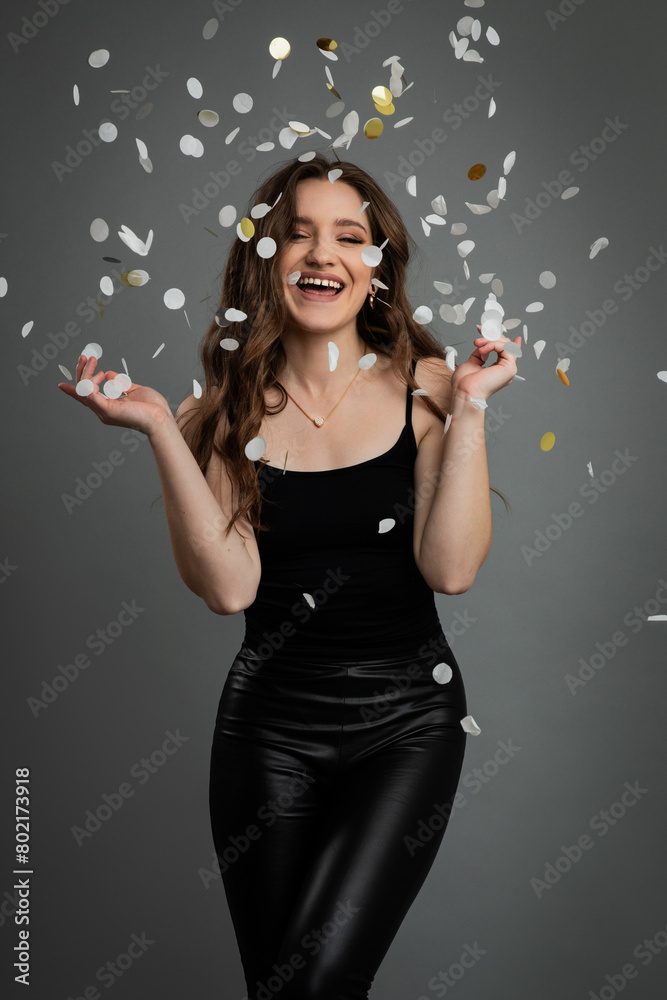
(140, 408)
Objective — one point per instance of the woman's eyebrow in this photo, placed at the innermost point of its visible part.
(306, 221)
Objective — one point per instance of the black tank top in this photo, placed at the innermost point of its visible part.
(366, 596)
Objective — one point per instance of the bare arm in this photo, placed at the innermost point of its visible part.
(223, 571)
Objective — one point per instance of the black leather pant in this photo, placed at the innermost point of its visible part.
(331, 786)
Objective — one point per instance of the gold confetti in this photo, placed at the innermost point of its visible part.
(280, 48)
(562, 376)
(373, 128)
(381, 96)
(477, 171)
(131, 279)
(327, 44)
(548, 441)
(247, 227)
(385, 109)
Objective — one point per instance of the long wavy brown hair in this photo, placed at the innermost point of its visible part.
(237, 380)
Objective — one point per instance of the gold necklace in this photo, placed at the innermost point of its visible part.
(318, 421)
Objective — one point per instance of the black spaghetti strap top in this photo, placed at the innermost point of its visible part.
(333, 586)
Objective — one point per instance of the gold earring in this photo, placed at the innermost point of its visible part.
(371, 300)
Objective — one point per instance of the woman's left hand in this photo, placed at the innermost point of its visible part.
(479, 381)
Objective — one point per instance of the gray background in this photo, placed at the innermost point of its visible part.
(67, 574)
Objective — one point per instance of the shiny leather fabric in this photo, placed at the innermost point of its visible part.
(336, 754)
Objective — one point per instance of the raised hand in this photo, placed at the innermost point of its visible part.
(140, 408)
(479, 380)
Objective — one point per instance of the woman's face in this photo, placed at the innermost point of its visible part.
(326, 243)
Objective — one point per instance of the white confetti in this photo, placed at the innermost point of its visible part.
(305, 157)
(535, 307)
(75, 94)
(259, 211)
(266, 247)
(92, 350)
(486, 278)
(351, 123)
(3, 287)
(509, 162)
(84, 387)
(657, 618)
(466, 247)
(98, 58)
(131, 240)
(235, 315)
(111, 389)
(458, 229)
(444, 287)
(662, 376)
(478, 209)
(27, 327)
(492, 36)
(333, 356)
(422, 315)
(469, 724)
(547, 279)
(478, 402)
(497, 286)
(367, 361)
(227, 215)
(442, 673)
(492, 108)
(538, 347)
(425, 226)
(411, 185)
(106, 285)
(363, 208)
(436, 220)
(143, 149)
(208, 118)
(210, 28)
(371, 256)
(569, 193)
(229, 344)
(403, 121)
(502, 188)
(450, 355)
(195, 88)
(439, 205)
(232, 135)
(599, 244)
(563, 364)
(333, 175)
(292, 278)
(310, 599)
(590, 469)
(107, 131)
(99, 230)
(386, 524)
(255, 448)
(174, 298)
(242, 103)
(493, 198)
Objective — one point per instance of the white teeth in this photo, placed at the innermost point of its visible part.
(320, 281)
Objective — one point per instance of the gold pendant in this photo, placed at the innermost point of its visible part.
(319, 421)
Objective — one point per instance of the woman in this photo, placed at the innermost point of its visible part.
(338, 735)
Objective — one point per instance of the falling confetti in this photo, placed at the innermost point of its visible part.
(373, 128)
(195, 88)
(598, 245)
(386, 524)
(422, 315)
(547, 279)
(468, 724)
(562, 376)
(98, 58)
(266, 247)
(229, 344)
(442, 673)
(99, 230)
(411, 185)
(255, 448)
(235, 315)
(548, 441)
(210, 28)
(477, 171)
(208, 118)
(569, 193)
(107, 131)
(333, 356)
(280, 48)
(538, 347)
(174, 298)
(242, 103)
(333, 175)
(227, 215)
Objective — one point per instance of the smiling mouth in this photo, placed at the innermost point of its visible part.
(312, 291)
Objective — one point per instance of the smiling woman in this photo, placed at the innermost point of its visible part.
(310, 489)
